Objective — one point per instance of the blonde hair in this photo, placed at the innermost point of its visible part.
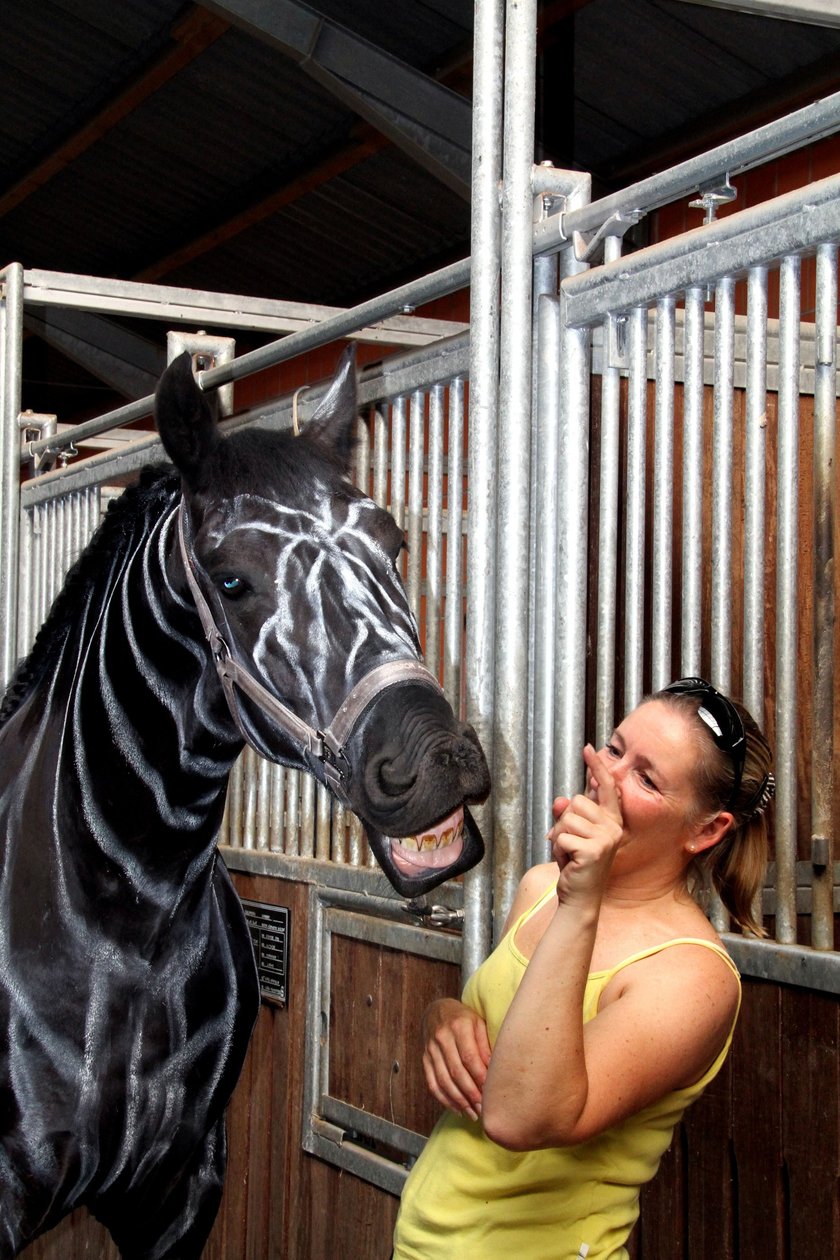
(735, 867)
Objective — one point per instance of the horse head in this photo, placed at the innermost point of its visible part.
(294, 573)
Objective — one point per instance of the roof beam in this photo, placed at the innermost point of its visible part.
(420, 116)
(815, 12)
(191, 35)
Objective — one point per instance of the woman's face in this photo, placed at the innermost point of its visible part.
(652, 756)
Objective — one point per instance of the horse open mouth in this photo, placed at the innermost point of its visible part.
(432, 849)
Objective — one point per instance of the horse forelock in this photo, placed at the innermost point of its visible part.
(128, 518)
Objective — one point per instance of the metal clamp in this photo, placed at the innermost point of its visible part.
(717, 192)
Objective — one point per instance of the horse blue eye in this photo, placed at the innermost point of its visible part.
(232, 587)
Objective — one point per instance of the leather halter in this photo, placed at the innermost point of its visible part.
(324, 745)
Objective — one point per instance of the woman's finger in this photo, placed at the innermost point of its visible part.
(608, 796)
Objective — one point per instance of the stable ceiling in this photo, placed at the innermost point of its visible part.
(261, 147)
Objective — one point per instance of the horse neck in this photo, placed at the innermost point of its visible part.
(135, 726)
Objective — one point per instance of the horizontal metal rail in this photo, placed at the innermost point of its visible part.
(203, 308)
(399, 374)
(798, 221)
(802, 127)
(784, 964)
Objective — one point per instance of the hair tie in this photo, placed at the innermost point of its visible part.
(761, 798)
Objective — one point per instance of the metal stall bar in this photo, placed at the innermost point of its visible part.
(567, 605)
(510, 729)
(662, 563)
(453, 634)
(608, 517)
(634, 596)
(559, 529)
(485, 268)
(434, 531)
(721, 654)
(755, 492)
(823, 780)
(414, 518)
(787, 572)
(692, 486)
(540, 732)
(546, 459)
(11, 333)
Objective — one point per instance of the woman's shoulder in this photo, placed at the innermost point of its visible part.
(534, 884)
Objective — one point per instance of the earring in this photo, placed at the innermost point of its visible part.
(692, 847)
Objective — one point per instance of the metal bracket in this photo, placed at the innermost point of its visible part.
(615, 350)
(435, 916)
(35, 425)
(717, 192)
(209, 352)
(587, 244)
(820, 852)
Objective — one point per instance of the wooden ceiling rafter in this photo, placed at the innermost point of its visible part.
(191, 34)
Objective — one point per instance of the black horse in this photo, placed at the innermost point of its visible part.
(127, 983)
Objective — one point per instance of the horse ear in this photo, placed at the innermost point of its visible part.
(186, 422)
(334, 421)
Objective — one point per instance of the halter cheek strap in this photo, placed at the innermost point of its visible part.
(325, 746)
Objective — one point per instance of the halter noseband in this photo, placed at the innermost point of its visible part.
(326, 745)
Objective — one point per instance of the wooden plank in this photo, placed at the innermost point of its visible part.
(661, 1229)
(756, 1124)
(811, 1135)
(709, 1176)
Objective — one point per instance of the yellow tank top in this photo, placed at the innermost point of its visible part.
(468, 1199)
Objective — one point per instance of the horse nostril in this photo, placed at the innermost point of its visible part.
(393, 779)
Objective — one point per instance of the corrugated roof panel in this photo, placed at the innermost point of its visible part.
(56, 58)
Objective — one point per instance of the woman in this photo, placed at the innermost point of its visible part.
(554, 1122)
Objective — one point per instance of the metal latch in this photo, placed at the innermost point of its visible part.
(434, 916)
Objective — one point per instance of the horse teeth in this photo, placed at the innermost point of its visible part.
(431, 840)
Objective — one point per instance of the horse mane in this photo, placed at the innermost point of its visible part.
(135, 509)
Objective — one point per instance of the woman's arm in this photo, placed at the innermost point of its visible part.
(553, 1081)
(456, 1047)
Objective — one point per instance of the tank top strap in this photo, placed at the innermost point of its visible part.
(607, 975)
(532, 909)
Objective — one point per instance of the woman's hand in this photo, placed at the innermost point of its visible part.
(587, 833)
(456, 1055)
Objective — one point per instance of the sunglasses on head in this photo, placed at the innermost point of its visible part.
(723, 722)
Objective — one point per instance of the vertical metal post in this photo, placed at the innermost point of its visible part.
(414, 519)
(546, 491)
(398, 461)
(721, 658)
(662, 600)
(608, 516)
(483, 420)
(571, 536)
(787, 571)
(453, 621)
(634, 601)
(823, 772)
(541, 601)
(11, 334)
(692, 490)
(510, 733)
(754, 492)
(561, 409)
(434, 530)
